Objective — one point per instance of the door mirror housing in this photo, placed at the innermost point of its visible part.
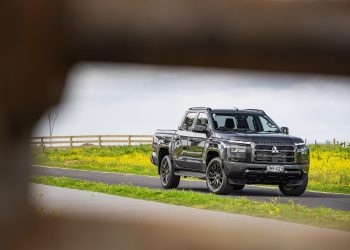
(285, 130)
(200, 128)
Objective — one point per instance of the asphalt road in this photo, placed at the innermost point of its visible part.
(310, 199)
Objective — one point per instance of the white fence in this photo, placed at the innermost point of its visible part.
(89, 140)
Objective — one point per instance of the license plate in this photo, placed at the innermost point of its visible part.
(274, 168)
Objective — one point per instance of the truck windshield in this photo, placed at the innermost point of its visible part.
(242, 122)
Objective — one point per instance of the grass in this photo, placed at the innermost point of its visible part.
(329, 166)
(321, 217)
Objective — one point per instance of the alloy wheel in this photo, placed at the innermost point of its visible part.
(215, 176)
(164, 172)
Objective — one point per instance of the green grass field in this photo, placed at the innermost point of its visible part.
(329, 167)
(321, 217)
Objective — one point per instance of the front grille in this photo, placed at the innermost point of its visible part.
(263, 153)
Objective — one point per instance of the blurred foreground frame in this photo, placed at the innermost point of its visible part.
(41, 40)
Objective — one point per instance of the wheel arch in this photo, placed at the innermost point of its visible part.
(162, 152)
(211, 154)
(213, 149)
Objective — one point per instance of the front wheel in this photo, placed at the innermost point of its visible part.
(294, 190)
(216, 179)
(167, 177)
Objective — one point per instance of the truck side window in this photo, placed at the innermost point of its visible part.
(252, 123)
(202, 119)
(267, 125)
(188, 122)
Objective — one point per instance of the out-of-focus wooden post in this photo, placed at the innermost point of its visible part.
(99, 141)
(129, 140)
(333, 142)
(42, 144)
(315, 143)
(71, 141)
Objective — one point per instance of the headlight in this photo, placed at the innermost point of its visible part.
(303, 155)
(237, 152)
(238, 149)
(302, 149)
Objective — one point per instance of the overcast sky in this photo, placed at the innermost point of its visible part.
(118, 99)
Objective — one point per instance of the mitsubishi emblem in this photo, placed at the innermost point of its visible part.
(274, 150)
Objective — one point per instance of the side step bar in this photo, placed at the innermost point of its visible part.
(190, 174)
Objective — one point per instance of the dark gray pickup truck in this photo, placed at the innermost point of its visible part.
(230, 148)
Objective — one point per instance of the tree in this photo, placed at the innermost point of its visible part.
(52, 116)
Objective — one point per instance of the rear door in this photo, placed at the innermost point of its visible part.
(181, 143)
(197, 143)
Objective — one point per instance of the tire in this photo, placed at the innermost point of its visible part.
(238, 187)
(294, 190)
(167, 177)
(216, 179)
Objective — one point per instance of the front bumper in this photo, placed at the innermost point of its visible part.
(252, 173)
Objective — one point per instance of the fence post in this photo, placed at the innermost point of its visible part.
(71, 141)
(42, 144)
(333, 142)
(305, 141)
(99, 141)
(315, 143)
(129, 140)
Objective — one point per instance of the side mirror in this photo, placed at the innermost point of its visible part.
(200, 128)
(285, 130)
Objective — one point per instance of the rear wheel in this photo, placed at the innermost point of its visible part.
(294, 190)
(167, 177)
(216, 179)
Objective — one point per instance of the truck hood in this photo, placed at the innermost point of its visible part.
(260, 138)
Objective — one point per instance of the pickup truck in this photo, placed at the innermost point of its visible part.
(230, 148)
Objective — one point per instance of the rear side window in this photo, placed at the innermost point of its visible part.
(202, 119)
(188, 122)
